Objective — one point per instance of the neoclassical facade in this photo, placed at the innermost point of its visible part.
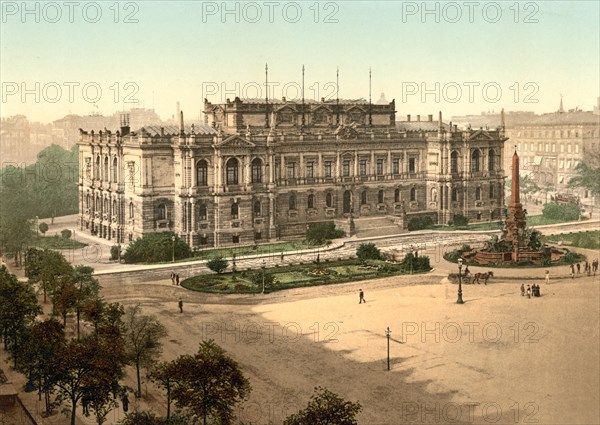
(259, 171)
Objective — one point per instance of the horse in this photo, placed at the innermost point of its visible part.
(484, 276)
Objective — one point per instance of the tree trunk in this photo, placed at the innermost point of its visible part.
(78, 317)
(139, 383)
(44, 288)
(168, 401)
(73, 410)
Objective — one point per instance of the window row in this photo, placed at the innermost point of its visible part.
(475, 161)
(103, 173)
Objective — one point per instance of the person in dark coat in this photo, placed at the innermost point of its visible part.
(177, 279)
(578, 268)
(361, 297)
(172, 278)
(522, 289)
(180, 305)
(125, 402)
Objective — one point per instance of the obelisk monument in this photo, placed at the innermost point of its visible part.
(515, 222)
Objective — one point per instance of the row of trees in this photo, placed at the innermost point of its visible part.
(46, 189)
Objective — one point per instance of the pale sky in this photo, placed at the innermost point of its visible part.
(520, 52)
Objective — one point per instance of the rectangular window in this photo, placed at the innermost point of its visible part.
(396, 166)
(203, 240)
(553, 147)
(346, 168)
(546, 147)
(327, 168)
(576, 147)
(310, 170)
(362, 167)
(531, 146)
(539, 147)
(291, 170)
(562, 148)
(411, 165)
(235, 239)
(380, 167)
(524, 147)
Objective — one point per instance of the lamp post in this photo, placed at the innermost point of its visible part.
(37, 225)
(388, 334)
(263, 267)
(173, 251)
(460, 300)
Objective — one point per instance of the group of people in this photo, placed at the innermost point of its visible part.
(588, 268)
(174, 278)
(532, 290)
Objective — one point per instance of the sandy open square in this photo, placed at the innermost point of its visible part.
(499, 358)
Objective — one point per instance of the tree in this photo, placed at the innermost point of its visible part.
(588, 173)
(318, 233)
(217, 264)
(368, 251)
(47, 268)
(47, 339)
(43, 228)
(326, 408)
(142, 339)
(260, 276)
(65, 300)
(210, 383)
(164, 375)
(420, 223)
(90, 368)
(18, 310)
(66, 233)
(563, 212)
(87, 289)
(460, 220)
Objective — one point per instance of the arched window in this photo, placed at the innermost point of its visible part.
(203, 212)
(454, 195)
(114, 208)
(256, 171)
(257, 208)
(292, 201)
(202, 173)
(478, 194)
(97, 170)
(235, 209)
(492, 191)
(454, 162)
(311, 201)
(380, 197)
(87, 200)
(328, 200)
(363, 197)
(115, 170)
(232, 171)
(162, 212)
(475, 161)
(105, 206)
(413, 194)
(434, 194)
(131, 210)
(491, 160)
(397, 195)
(105, 174)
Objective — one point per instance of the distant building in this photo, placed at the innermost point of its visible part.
(259, 171)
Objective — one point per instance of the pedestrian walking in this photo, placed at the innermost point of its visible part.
(180, 305)
(282, 256)
(172, 278)
(578, 268)
(572, 270)
(528, 291)
(361, 297)
(547, 277)
(522, 289)
(595, 266)
(177, 279)
(125, 402)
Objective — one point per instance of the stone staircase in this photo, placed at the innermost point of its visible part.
(367, 227)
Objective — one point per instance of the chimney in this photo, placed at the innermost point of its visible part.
(181, 131)
(283, 99)
(125, 124)
(408, 118)
(430, 117)
(418, 118)
(440, 123)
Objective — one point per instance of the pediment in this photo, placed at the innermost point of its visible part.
(321, 107)
(481, 135)
(286, 108)
(236, 142)
(355, 107)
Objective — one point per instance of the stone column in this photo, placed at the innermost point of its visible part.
(282, 169)
(389, 165)
(372, 166)
(271, 168)
(338, 166)
(356, 161)
(320, 167)
(301, 171)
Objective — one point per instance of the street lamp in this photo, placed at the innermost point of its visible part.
(37, 225)
(173, 240)
(460, 300)
(263, 267)
(388, 333)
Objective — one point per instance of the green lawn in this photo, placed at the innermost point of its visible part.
(287, 277)
(238, 251)
(494, 225)
(56, 242)
(590, 239)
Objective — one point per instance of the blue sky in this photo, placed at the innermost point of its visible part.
(177, 50)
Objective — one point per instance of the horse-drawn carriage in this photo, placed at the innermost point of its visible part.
(469, 278)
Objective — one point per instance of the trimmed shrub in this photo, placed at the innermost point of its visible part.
(319, 233)
(156, 247)
(43, 228)
(460, 220)
(217, 264)
(368, 251)
(414, 264)
(66, 233)
(114, 252)
(564, 212)
(420, 223)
